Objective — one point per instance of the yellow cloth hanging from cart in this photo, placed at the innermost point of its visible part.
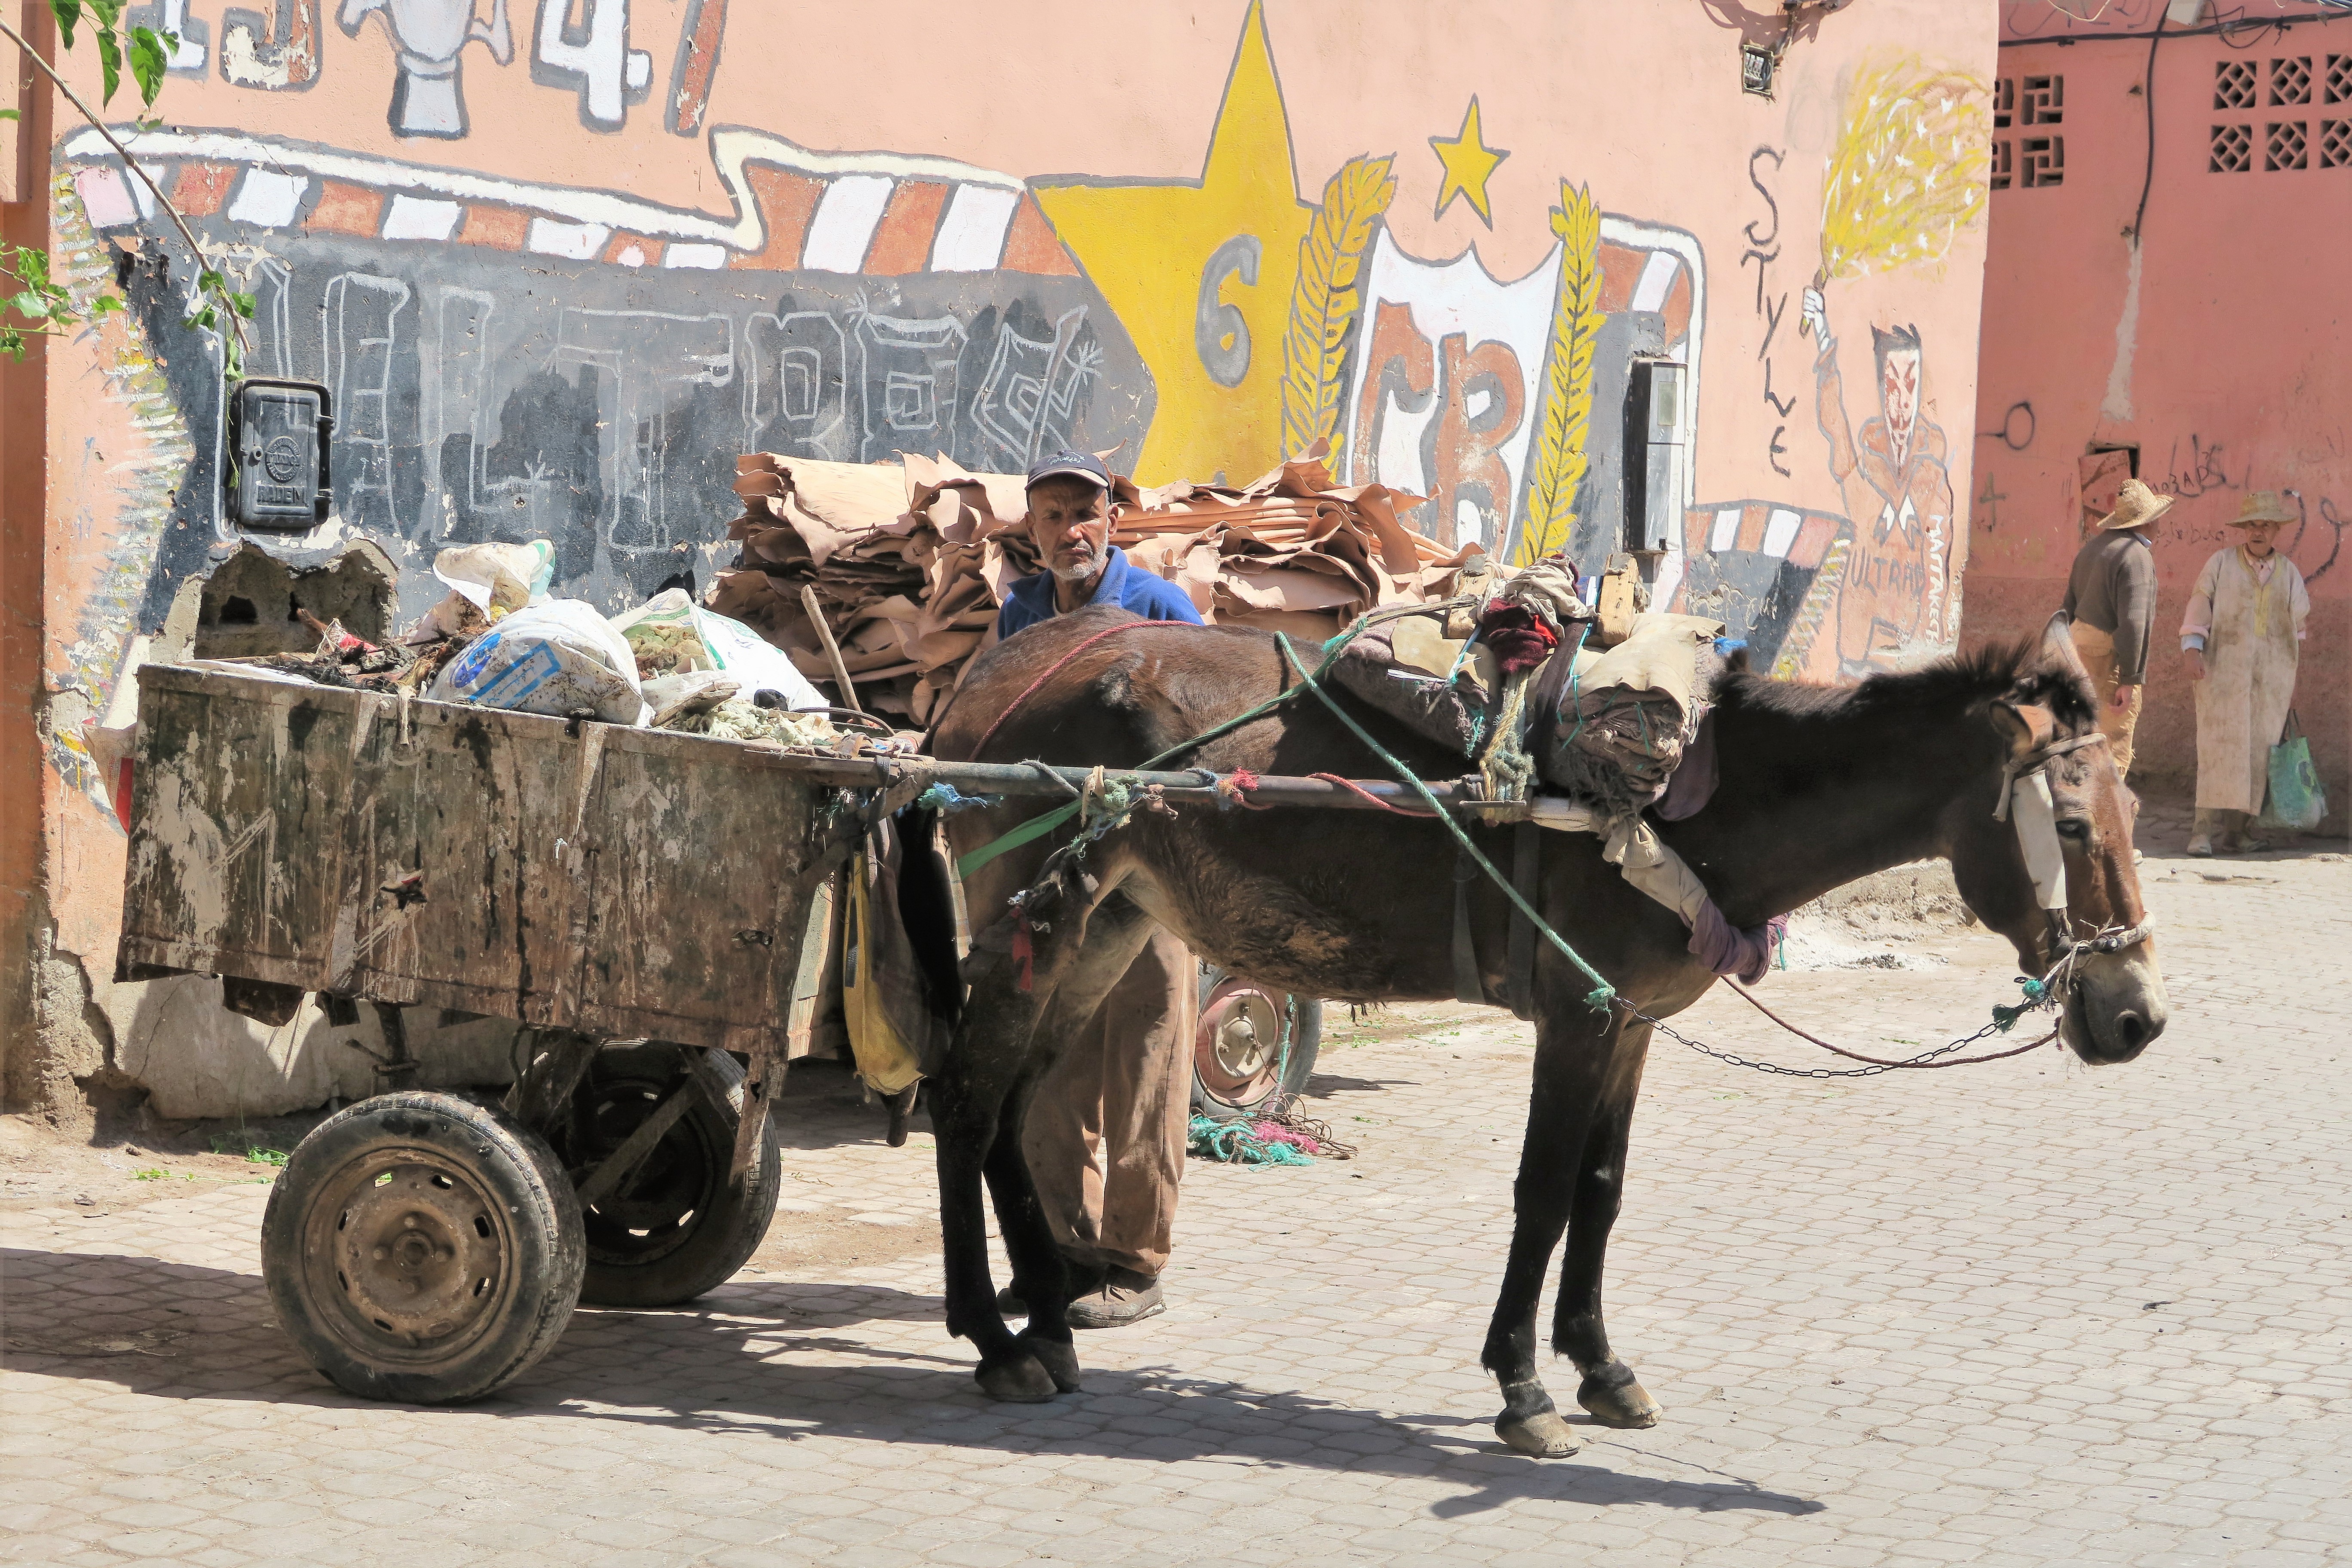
(881, 989)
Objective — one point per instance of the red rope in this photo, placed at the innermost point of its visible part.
(1054, 668)
(1352, 787)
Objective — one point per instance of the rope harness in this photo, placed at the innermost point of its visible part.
(2024, 799)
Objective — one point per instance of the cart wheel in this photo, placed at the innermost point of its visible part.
(677, 1227)
(1254, 1045)
(422, 1249)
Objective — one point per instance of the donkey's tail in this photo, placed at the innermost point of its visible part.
(927, 911)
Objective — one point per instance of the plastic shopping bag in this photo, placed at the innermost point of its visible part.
(553, 658)
(2297, 800)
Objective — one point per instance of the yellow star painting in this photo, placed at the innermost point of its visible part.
(1469, 161)
(1200, 273)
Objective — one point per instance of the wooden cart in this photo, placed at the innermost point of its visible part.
(639, 899)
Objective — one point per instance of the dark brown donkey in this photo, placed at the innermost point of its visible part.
(1820, 785)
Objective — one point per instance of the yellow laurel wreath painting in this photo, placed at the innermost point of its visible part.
(1326, 300)
(1908, 170)
(1577, 320)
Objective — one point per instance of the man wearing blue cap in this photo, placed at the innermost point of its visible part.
(1104, 1135)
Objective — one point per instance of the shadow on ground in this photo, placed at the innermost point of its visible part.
(726, 1364)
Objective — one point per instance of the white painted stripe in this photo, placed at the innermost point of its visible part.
(1780, 532)
(731, 149)
(1726, 530)
(1657, 281)
(577, 241)
(106, 198)
(972, 232)
(844, 222)
(695, 255)
(268, 199)
(417, 217)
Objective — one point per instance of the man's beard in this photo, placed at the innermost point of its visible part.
(1082, 567)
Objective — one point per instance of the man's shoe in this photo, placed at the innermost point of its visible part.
(1083, 1279)
(1124, 1297)
(2201, 847)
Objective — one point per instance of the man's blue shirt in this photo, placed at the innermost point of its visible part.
(1129, 587)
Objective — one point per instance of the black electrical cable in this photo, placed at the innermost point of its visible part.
(2147, 90)
(2239, 24)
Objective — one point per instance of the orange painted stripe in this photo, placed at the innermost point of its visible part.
(1752, 519)
(706, 25)
(902, 240)
(501, 228)
(1813, 541)
(786, 202)
(1678, 305)
(346, 208)
(649, 251)
(1032, 247)
(201, 188)
(1621, 271)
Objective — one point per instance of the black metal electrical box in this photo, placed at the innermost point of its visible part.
(278, 438)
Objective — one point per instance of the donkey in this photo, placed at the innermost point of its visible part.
(1818, 785)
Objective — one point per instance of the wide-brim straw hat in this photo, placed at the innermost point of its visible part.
(2261, 506)
(2137, 506)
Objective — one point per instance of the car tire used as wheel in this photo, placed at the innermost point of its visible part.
(422, 1249)
(1239, 1072)
(677, 1227)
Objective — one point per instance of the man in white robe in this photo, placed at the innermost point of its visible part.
(2242, 638)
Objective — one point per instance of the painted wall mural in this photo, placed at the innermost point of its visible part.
(514, 358)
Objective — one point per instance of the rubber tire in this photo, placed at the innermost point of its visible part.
(726, 1229)
(1307, 1040)
(511, 1163)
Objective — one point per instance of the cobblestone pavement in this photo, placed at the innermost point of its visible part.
(2028, 1314)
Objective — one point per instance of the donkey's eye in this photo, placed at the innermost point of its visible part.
(2074, 827)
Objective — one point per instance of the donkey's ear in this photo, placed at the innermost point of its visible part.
(2058, 646)
(1737, 663)
(2027, 726)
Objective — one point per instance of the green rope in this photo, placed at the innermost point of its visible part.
(1602, 992)
(1236, 1143)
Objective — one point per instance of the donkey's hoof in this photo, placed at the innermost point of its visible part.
(1618, 1400)
(1059, 1360)
(1543, 1435)
(1016, 1380)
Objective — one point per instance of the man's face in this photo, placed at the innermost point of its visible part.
(1898, 395)
(2261, 538)
(1069, 523)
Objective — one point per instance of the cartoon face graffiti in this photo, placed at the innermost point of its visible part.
(1897, 353)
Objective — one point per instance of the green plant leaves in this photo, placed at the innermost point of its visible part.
(151, 56)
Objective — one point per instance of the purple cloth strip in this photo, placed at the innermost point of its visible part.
(1725, 949)
(1692, 783)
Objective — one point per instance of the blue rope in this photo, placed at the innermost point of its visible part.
(943, 796)
(1236, 1144)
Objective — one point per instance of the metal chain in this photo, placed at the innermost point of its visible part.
(2057, 983)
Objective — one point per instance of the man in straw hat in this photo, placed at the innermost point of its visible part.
(2242, 639)
(2111, 600)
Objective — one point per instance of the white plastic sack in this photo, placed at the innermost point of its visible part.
(549, 659)
(720, 644)
(497, 579)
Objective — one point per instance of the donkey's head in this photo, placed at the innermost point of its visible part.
(2046, 726)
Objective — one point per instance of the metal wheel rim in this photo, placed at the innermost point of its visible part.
(408, 1259)
(1237, 1052)
(656, 1213)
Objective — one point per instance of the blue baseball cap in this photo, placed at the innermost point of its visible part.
(1072, 465)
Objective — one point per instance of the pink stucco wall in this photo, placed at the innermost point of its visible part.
(2216, 346)
(558, 290)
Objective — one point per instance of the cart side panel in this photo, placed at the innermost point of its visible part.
(453, 891)
(696, 916)
(237, 799)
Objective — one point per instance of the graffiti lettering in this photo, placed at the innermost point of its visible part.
(2203, 474)
(1990, 498)
(273, 52)
(2327, 515)
(1483, 407)
(2019, 414)
(1770, 307)
(1220, 336)
(592, 56)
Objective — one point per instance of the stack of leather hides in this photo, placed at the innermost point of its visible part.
(910, 560)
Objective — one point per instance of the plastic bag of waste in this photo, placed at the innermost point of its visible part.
(487, 582)
(553, 658)
(671, 634)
